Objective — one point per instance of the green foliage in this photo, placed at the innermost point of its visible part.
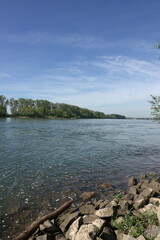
(155, 106)
(119, 195)
(133, 225)
(115, 116)
(3, 106)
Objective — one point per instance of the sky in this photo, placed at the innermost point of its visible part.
(97, 54)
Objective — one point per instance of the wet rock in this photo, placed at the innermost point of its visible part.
(143, 176)
(155, 201)
(132, 181)
(73, 229)
(87, 195)
(86, 232)
(105, 185)
(105, 212)
(108, 234)
(89, 218)
(87, 209)
(152, 231)
(68, 220)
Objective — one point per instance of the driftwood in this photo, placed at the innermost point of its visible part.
(34, 226)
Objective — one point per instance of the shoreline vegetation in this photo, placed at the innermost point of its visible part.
(130, 215)
(29, 108)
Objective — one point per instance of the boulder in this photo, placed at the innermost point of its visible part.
(68, 220)
(128, 197)
(139, 203)
(42, 237)
(87, 195)
(108, 234)
(152, 231)
(132, 181)
(112, 204)
(148, 207)
(119, 234)
(132, 190)
(155, 186)
(127, 237)
(103, 204)
(158, 237)
(99, 223)
(86, 232)
(158, 213)
(87, 209)
(105, 212)
(89, 218)
(123, 205)
(141, 237)
(73, 229)
(146, 194)
(155, 201)
(143, 176)
(59, 237)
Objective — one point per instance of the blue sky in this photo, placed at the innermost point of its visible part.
(98, 54)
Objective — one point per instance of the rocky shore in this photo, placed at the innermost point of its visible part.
(128, 216)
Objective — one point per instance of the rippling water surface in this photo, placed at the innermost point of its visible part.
(44, 161)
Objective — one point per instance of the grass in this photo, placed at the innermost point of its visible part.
(119, 195)
(135, 226)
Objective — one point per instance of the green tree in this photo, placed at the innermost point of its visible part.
(155, 106)
(3, 106)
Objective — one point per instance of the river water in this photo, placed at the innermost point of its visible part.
(45, 161)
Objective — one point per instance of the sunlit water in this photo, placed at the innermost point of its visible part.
(43, 162)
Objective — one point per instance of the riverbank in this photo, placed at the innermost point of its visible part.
(134, 214)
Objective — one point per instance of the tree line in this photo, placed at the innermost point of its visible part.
(24, 107)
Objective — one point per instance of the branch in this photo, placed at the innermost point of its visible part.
(33, 227)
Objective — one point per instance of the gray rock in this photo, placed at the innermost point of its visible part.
(155, 201)
(87, 209)
(119, 234)
(132, 190)
(152, 231)
(105, 212)
(105, 185)
(86, 232)
(132, 181)
(158, 237)
(99, 223)
(123, 205)
(127, 237)
(128, 197)
(45, 226)
(42, 237)
(89, 218)
(148, 207)
(146, 194)
(139, 203)
(103, 204)
(112, 203)
(68, 221)
(155, 186)
(87, 195)
(73, 229)
(60, 237)
(141, 237)
(143, 176)
(108, 234)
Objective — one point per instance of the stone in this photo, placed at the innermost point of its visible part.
(59, 237)
(158, 213)
(103, 204)
(105, 185)
(158, 237)
(108, 234)
(128, 197)
(127, 237)
(42, 237)
(112, 203)
(119, 234)
(143, 176)
(87, 209)
(46, 225)
(155, 186)
(123, 205)
(146, 194)
(97, 238)
(87, 195)
(155, 201)
(73, 229)
(139, 203)
(86, 232)
(99, 223)
(141, 237)
(132, 190)
(132, 181)
(90, 218)
(148, 207)
(152, 231)
(68, 221)
(105, 212)
(144, 186)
